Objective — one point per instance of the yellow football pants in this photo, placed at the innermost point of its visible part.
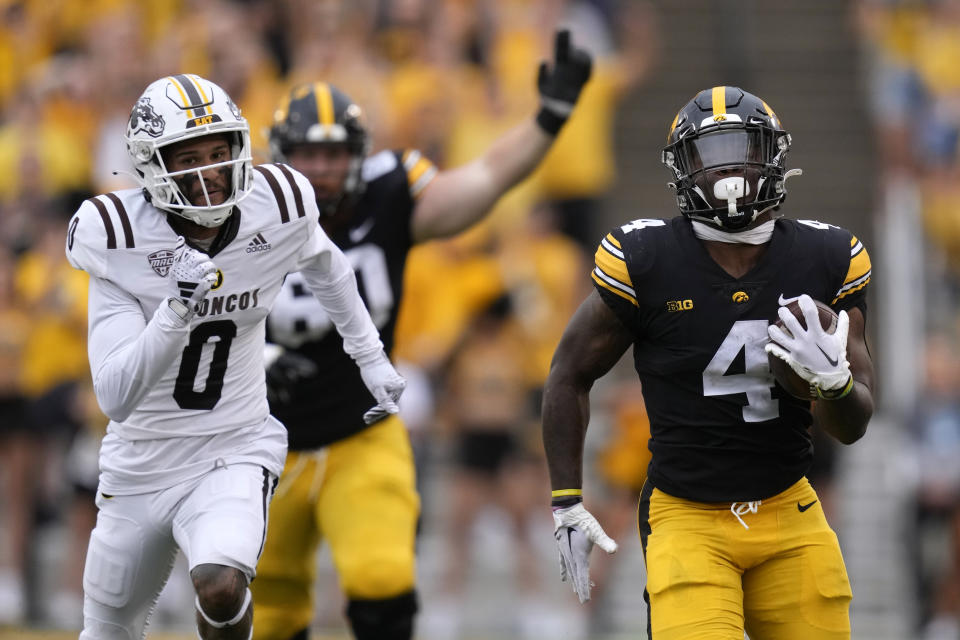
(776, 571)
(359, 495)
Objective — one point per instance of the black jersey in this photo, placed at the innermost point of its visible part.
(376, 240)
(721, 429)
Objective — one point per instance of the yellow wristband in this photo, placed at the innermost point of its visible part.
(836, 394)
(560, 493)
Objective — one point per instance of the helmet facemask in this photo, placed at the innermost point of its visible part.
(176, 109)
(726, 150)
(168, 192)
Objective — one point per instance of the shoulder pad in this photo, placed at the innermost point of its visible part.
(100, 224)
(610, 271)
(378, 165)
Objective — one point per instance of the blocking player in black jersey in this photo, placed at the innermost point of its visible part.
(349, 478)
(733, 535)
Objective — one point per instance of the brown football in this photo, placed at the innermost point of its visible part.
(784, 375)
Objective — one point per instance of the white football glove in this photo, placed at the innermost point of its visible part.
(576, 531)
(818, 357)
(191, 277)
(384, 383)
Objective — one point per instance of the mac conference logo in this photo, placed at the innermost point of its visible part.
(161, 261)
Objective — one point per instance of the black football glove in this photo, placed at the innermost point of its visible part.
(560, 86)
(287, 372)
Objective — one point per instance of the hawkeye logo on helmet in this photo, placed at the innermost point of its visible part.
(720, 117)
(202, 120)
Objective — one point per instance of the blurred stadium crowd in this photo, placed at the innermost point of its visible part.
(914, 100)
(485, 310)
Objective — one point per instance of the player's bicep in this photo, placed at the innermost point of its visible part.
(858, 353)
(592, 343)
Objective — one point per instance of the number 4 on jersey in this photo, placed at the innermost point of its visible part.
(642, 223)
(749, 337)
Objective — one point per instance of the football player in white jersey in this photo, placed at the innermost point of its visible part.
(183, 272)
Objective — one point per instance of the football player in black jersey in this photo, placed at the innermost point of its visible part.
(349, 477)
(733, 535)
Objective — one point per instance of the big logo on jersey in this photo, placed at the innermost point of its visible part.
(145, 118)
(161, 261)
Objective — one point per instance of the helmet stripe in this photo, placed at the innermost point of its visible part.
(673, 125)
(719, 101)
(325, 115)
(183, 96)
(192, 99)
(203, 95)
(773, 116)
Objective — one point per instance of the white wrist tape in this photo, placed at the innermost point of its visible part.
(229, 623)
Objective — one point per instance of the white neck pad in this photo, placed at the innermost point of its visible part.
(758, 235)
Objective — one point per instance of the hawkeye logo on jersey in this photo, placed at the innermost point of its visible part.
(258, 244)
(161, 261)
(679, 305)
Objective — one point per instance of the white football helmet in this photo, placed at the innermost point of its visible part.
(178, 108)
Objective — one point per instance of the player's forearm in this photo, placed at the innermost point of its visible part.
(515, 155)
(846, 419)
(460, 197)
(335, 286)
(122, 376)
(566, 413)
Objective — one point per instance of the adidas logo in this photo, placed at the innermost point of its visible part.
(258, 244)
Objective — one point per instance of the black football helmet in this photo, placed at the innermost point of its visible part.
(322, 114)
(726, 148)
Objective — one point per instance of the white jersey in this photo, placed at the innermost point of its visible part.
(214, 392)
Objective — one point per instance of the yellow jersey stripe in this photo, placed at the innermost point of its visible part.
(603, 281)
(417, 187)
(859, 271)
(613, 265)
(422, 166)
(859, 267)
(325, 115)
(719, 101)
(613, 241)
(611, 248)
(851, 288)
(410, 158)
